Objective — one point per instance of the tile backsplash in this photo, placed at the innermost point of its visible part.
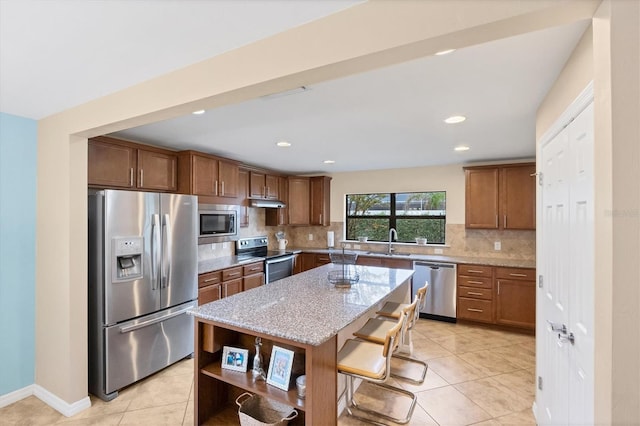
(459, 241)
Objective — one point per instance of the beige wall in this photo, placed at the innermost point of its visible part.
(445, 178)
(364, 37)
(609, 54)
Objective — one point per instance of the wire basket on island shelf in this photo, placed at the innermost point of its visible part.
(343, 277)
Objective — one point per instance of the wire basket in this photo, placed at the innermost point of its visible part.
(254, 410)
(343, 278)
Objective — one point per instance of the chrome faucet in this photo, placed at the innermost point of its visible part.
(392, 232)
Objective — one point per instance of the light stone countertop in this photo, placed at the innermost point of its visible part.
(218, 263)
(489, 261)
(305, 308)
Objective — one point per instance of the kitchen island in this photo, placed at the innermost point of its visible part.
(303, 313)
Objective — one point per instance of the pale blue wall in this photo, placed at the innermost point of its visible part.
(18, 140)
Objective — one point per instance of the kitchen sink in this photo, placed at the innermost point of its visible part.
(394, 254)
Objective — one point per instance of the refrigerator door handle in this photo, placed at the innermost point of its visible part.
(155, 249)
(166, 250)
(133, 327)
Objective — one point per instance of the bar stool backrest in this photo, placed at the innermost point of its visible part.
(410, 312)
(422, 295)
(392, 339)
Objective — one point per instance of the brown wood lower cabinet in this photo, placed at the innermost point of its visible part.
(497, 295)
(385, 262)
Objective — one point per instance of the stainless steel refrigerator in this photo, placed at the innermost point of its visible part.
(142, 280)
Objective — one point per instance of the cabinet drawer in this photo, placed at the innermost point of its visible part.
(322, 259)
(475, 270)
(475, 293)
(476, 310)
(475, 282)
(254, 268)
(232, 273)
(209, 293)
(209, 278)
(526, 274)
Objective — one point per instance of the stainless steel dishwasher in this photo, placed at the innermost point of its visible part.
(441, 295)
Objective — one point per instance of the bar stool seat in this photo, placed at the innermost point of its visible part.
(371, 362)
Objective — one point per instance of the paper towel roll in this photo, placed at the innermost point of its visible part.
(330, 241)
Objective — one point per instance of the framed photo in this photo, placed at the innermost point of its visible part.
(235, 359)
(280, 368)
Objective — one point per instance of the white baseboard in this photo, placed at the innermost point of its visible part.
(60, 405)
(48, 398)
(15, 396)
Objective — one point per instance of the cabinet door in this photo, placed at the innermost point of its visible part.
(397, 263)
(253, 281)
(481, 198)
(232, 287)
(320, 199)
(278, 217)
(369, 261)
(298, 201)
(111, 165)
(307, 261)
(243, 198)
(518, 197)
(157, 171)
(227, 179)
(205, 175)
(257, 185)
(322, 259)
(209, 293)
(271, 184)
(516, 303)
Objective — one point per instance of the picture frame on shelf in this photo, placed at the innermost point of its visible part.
(280, 364)
(235, 359)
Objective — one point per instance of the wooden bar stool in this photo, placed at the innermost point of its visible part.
(375, 329)
(371, 362)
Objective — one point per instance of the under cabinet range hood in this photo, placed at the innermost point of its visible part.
(271, 204)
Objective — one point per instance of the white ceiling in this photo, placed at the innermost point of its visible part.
(388, 118)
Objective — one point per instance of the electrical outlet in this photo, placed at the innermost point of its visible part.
(356, 246)
(437, 251)
(310, 237)
(225, 245)
(497, 246)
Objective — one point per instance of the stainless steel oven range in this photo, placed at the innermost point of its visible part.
(278, 264)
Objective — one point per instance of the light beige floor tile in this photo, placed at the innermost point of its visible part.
(448, 406)
(520, 382)
(492, 397)
(184, 366)
(489, 362)
(454, 369)
(162, 391)
(29, 411)
(520, 355)
(491, 422)
(382, 400)
(432, 381)
(100, 420)
(168, 415)
(189, 414)
(426, 349)
(524, 417)
(461, 343)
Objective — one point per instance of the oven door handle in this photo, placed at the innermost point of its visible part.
(280, 259)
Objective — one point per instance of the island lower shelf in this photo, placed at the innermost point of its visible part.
(245, 381)
(217, 388)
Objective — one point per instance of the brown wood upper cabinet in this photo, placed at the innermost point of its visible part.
(263, 185)
(280, 216)
(243, 197)
(501, 196)
(115, 163)
(208, 176)
(299, 190)
(320, 200)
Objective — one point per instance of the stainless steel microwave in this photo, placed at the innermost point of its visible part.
(217, 223)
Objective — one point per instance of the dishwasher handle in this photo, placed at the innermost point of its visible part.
(434, 265)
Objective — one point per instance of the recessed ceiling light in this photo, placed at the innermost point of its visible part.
(283, 144)
(461, 148)
(455, 119)
(329, 161)
(198, 112)
(445, 52)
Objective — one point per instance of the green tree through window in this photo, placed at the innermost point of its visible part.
(412, 214)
